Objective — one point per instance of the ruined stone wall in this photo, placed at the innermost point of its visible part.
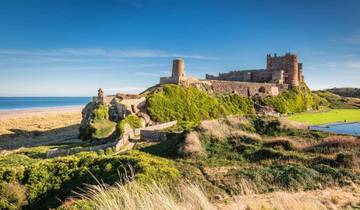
(126, 107)
(218, 87)
(149, 135)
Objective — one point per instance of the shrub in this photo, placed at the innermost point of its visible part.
(191, 145)
(12, 195)
(50, 178)
(132, 120)
(334, 144)
(236, 104)
(186, 105)
(297, 99)
(334, 101)
(284, 143)
(189, 105)
(101, 113)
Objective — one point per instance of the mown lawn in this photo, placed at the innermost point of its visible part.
(332, 116)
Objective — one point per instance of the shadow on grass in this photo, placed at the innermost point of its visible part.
(22, 138)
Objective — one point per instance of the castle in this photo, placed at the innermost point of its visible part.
(281, 73)
(279, 69)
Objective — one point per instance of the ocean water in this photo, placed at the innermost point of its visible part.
(17, 103)
(340, 128)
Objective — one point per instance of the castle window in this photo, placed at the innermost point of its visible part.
(262, 90)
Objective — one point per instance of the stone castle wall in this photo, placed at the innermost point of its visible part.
(260, 75)
(216, 87)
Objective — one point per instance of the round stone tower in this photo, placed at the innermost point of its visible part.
(178, 69)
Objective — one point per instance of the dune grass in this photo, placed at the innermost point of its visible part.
(136, 196)
(332, 116)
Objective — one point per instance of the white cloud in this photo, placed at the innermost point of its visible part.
(100, 52)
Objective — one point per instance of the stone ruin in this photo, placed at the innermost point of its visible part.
(281, 73)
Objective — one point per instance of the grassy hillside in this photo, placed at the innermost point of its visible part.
(190, 105)
(334, 101)
(330, 116)
(346, 92)
(241, 156)
(231, 156)
(297, 99)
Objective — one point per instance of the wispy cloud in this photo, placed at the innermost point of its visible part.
(353, 38)
(101, 52)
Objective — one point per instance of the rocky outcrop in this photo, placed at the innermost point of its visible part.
(118, 106)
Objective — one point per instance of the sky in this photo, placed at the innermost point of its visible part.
(71, 48)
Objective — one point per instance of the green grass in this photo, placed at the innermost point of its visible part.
(332, 116)
(103, 129)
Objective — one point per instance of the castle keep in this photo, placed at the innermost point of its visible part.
(281, 73)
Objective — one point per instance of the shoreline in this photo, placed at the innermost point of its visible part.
(15, 113)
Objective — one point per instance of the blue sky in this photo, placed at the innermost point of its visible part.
(71, 48)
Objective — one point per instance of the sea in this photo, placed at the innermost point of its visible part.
(21, 103)
(340, 128)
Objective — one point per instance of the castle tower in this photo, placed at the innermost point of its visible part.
(293, 72)
(178, 69)
(288, 63)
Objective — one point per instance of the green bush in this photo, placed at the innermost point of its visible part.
(189, 105)
(236, 104)
(182, 104)
(12, 196)
(297, 99)
(101, 113)
(46, 180)
(132, 120)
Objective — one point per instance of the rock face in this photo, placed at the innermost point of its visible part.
(86, 118)
(119, 107)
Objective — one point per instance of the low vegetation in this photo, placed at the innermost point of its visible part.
(137, 196)
(190, 105)
(187, 105)
(333, 101)
(236, 160)
(346, 92)
(297, 99)
(132, 120)
(100, 127)
(44, 180)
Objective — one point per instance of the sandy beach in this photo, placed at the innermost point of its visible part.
(40, 126)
